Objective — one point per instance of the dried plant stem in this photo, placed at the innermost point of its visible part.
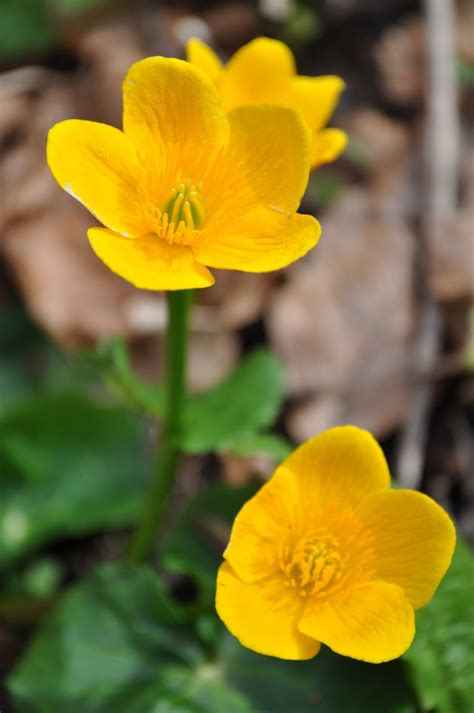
(168, 448)
(441, 152)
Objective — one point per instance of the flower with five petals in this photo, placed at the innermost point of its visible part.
(264, 71)
(326, 553)
(186, 186)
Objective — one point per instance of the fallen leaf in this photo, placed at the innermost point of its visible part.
(343, 324)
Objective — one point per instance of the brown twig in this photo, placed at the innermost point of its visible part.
(441, 154)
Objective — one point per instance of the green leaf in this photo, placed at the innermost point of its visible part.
(224, 419)
(28, 27)
(117, 643)
(442, 656)
(468, 356)
(25, 27)
(14, 386)
(465, 71)
(246, 402)
(303, 26)
(263, 444)
(68, 466)
(21, 348)
(112, 360)
(199, 537)
(74, 7)
(30, 365)
(110, 637)
(42, 578)
(326, 684)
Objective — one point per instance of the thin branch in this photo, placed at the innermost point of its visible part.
(441, 155)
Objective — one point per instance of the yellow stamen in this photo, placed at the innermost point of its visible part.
(314, 565)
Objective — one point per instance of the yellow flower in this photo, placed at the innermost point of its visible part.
(186, 186)
(326, 553)
(264, 71)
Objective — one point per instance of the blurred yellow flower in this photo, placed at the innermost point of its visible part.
(186, 186)
(326, 553)
(264, 71)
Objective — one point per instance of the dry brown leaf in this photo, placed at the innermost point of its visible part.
(465, 29)
(68, 291)
(237, 298)
(344, 322)
(386, 141)
(232, 24)
(400, 56)
(107, 53)
(211, 358)
(43, 233)
(390, 150)
(239, 471)
(452, 258)
(451, 247)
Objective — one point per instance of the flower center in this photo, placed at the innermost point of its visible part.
(314, 564)
(185, 205)
(181, 216)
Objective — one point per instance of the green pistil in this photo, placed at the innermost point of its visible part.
(185, 204)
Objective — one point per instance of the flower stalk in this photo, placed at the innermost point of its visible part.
(162, 480)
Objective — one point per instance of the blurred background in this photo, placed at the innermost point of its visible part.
(374, 327)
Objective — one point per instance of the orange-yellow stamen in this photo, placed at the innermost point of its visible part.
(314, 564)
(180, 218)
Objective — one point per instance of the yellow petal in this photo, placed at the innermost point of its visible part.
(200, 54)
(373, 622)
(259, 72)
(170, 108)
(97, 165)
(316, 98)
(327, 146)
(263, 616)
(320, 482)
(413, 541)
(338, 468)
(269, 155)
(251, 195)
(149, 263)
(260, 241)
(261, 527)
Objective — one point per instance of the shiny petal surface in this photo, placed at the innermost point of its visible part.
(328, 145)
(149, 263)
(269, 154)
(97, 165)
(202, 56)
(170, 108)
(260, 71)
(373, 622)
(261, 241)
(260, 526)
(413, 540)
(338, 468)
(316, 98)
(263, 617)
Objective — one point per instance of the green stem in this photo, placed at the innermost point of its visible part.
(174, 394)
